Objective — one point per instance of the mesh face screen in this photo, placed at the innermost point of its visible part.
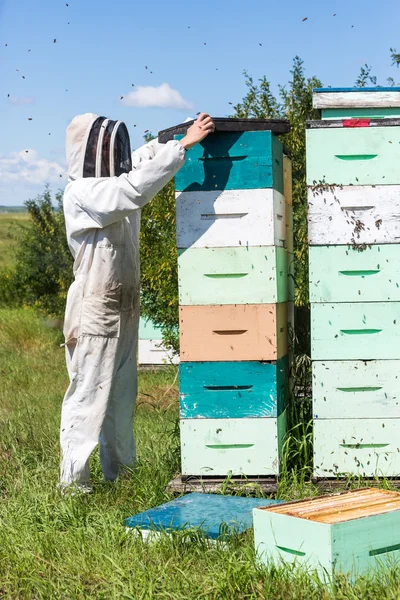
(115, 146)
(89, 163)
(122, 151)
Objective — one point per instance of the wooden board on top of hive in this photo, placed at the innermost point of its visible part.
(224, 125)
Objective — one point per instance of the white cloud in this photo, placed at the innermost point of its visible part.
(163, 96)
(26, 167)
(20, 101)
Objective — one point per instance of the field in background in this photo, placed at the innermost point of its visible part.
(9, 223)
(73, 548)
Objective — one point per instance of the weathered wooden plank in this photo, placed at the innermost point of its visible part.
(359, 156)
(341, 508)
(366, 447)
(353, 331)
(242, 275)
(357, 98)
(361, 113)
(353, 123)
(214, 485)
(346, 389)
(230, 218)
(287, 180)
(233, 332)
(233, 161)
(343, 274)
(152, 352)
(356, 215)
(236, 446)
(223, 125)
(239, 390)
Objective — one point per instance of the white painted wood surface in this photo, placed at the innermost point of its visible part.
(289, 228)
(152, 352)
(230, 218)
(347, 389)
(366, 447)
(365, 214)
(218, 446)
(356, 99)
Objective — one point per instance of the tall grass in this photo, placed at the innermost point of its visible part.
(9, 224)
(54, 547)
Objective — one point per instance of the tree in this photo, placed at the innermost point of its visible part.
(159, 264)
(43, 271)
(294, 102)
(395, 57)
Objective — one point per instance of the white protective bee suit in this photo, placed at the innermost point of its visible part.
(102, 201)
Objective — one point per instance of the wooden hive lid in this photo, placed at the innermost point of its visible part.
(223, 125)
(337, 508)
(376, 97)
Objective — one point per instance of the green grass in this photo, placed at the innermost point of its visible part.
(54, 547)
(9, 222)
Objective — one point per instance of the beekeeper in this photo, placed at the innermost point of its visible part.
(107, 188)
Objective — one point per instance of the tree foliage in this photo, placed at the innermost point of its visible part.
(159, 264)
(395, 57)
(292, 102)
(43, 271)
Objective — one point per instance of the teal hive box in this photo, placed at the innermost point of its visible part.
(221, 390)
(351, 532)
(233, 161)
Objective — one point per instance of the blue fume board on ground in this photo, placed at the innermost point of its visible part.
(213, 514)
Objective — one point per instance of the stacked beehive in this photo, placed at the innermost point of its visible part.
(353, 158)
(151, 350)
(233, 293)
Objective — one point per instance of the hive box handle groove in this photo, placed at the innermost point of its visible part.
(235, 158)
(356, 156)
(354, 208)
(359, 389)
(230, 331)
(360, 331)
(384, 550)
(228, 446)
(363, 446)
(225, 275)
(213, 216)
(291, 551)
(227, 388)
(360, 273)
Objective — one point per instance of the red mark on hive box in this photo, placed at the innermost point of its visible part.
(356, 122)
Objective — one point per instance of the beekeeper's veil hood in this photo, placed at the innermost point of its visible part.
(97, 147)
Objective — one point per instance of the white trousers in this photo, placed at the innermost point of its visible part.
(99, 403)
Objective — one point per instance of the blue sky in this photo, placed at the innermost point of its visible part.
(103, 47)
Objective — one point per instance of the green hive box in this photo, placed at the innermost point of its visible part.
(353, 532)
